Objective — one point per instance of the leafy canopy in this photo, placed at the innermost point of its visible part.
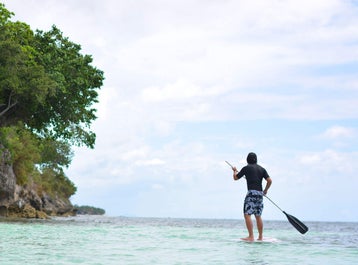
(46, 83)
(47, 92)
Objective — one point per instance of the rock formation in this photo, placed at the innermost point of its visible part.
(24, 201)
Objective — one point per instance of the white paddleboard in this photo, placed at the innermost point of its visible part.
(265, 240)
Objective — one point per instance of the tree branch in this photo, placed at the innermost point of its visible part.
(9, 105)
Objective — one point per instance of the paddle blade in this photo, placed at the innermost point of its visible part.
(301, 227)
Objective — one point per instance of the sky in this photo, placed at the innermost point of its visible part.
(192, 83)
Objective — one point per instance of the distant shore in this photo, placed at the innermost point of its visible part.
(89, 210)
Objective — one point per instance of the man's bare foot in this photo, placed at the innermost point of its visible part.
(249, 239)
(260, 238)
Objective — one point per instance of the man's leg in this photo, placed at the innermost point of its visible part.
(260, 226)
(249, 227)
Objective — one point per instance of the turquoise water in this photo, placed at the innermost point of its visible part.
(118, 240)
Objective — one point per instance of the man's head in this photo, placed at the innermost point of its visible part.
(251, 158)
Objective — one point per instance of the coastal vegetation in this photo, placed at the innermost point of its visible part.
(47, 92)
(89, 210)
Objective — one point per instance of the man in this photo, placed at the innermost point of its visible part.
(253, 203)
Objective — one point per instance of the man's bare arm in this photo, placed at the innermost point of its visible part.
(268, 185)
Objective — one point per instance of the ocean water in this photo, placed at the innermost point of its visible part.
(105, 240)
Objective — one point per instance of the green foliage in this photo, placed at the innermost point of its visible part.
(5, 14)
(54, 182)
(47, 92)
(39, 161)
(24, 85)
(85, 209)
(55, 154)
(69, 111)
(46, 83)
(24, 150)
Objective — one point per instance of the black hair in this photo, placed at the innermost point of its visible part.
(251, 158)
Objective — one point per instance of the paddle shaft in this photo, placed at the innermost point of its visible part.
(274, 203)
(229, 164)
(232, 167)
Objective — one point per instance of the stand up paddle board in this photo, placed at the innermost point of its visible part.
(265, 240)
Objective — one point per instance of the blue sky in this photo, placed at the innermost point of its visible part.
(190, 84)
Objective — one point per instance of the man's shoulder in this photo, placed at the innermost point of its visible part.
(261, 168)
(253, 166)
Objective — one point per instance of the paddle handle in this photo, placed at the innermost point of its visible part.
(229, 164)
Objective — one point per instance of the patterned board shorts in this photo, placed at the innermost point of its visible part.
(253, 203)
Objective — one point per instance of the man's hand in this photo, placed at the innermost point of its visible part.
(234, 175)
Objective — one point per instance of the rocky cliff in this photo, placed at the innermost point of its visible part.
(24, 201)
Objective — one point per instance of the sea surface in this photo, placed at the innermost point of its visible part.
(105, 240)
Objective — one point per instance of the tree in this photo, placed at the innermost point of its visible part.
(23, 82)
(46, 83)
(47, 92)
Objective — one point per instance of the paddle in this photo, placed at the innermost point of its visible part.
(301, 227)
(229, 164)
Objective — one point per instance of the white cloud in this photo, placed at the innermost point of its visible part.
(329, 163)
(182, 89)
(150, 162)
(338, 132)
(157, 186)
(310, 159)
(218, 63)
(134, 153)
